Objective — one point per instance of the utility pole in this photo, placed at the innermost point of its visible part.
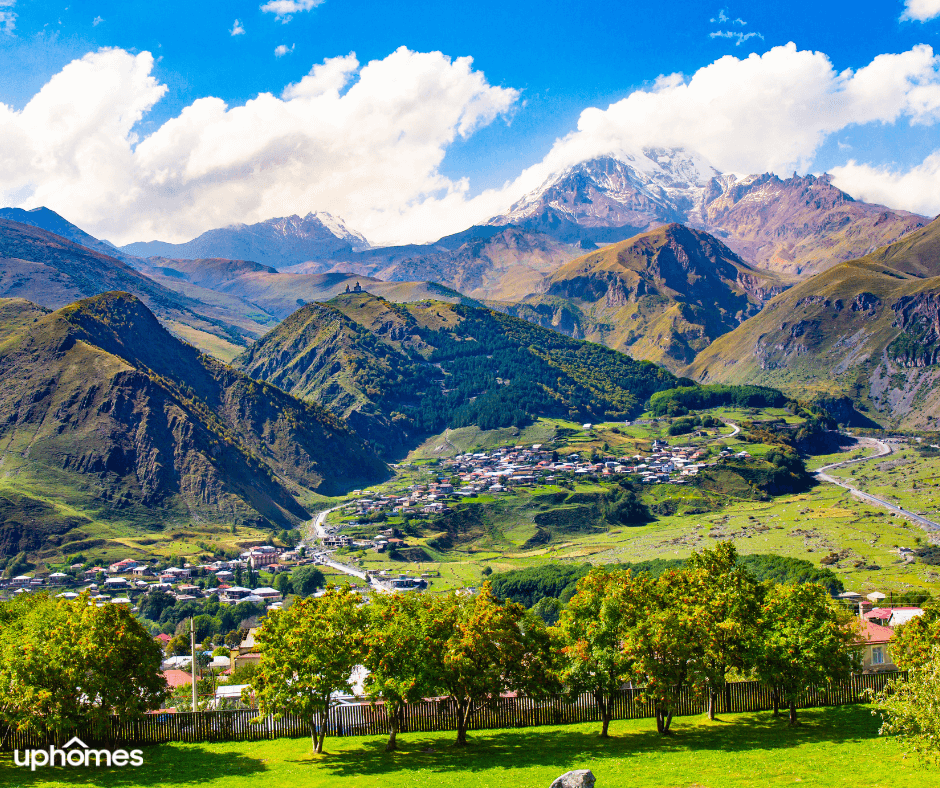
(192, 651)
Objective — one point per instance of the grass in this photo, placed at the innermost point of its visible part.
(833, 748)
(825, 522)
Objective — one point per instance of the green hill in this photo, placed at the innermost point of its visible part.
(106, 417)
(662, 295)
(397, 372)
(868, 329)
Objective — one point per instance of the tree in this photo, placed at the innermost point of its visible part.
(398, 655)
(806, 640)
(662, 643)
(910, 709)
(307, 579)
(591, 631)
(481, 648)
(63, 663)
(283, 583)
(915, 640)
(727, 600)
(308, 653)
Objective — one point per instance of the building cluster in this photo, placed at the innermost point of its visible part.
(500, 470)
(122, 581)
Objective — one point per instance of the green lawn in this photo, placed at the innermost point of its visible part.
(833, 747)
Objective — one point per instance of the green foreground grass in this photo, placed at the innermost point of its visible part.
(833, 747)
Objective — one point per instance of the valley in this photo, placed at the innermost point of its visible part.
(562, 518)
(615, 280)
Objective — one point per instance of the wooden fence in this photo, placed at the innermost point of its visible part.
(430, 715)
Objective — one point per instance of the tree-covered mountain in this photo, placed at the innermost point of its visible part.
(399, 371)
(867, 329)
(663, 295)
(106, 414)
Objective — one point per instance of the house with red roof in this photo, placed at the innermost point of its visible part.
(874, 647)
(177, 678)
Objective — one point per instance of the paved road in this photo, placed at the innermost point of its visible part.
(883, 451)
(737, 429)
(319, 532)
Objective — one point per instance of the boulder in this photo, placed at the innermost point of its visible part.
(579, 778)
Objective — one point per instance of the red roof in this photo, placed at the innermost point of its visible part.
(163, 638)
(177, 678)
(878, 612)
(875, 633)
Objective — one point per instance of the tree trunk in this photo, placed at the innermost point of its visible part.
(393, 727)
(604, 706)
(314, 738)
(668, 724)
(775, 696)
(322, 719)
(793, 713)
(712, 698)
(463, 720)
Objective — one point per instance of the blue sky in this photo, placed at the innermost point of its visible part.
(541, 65)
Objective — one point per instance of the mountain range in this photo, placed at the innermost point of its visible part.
(867, 330)
(104, 412)
(663, 295)
(276, 242)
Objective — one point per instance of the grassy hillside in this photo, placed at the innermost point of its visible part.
(397, 372)
(663, 295)
(105, 416)
(867, 329)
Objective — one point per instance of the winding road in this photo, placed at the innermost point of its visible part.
(883, 451)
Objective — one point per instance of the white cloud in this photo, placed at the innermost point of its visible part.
(7, 18)
(921, 10)
(364, 142)
(739, 38)
(284, 9)
(97, 21)
(914, 190)
(723, 18)
(763, 113)
(237, 29)
(282, 49)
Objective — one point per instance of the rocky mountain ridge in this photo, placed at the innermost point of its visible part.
(278, 242)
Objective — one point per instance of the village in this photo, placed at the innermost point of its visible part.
(504, 469)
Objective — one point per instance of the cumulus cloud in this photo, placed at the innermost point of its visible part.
(282, 49)
(237, 29)
(915, 190)
(763, 113)
(920, 10)
(364, 142)
(285, 9)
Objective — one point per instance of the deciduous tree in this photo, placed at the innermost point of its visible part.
(483, 648)
(398, 655)
(727, 602)
(308, 653)
(63, 663)
(591, 631)
(806, 641)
